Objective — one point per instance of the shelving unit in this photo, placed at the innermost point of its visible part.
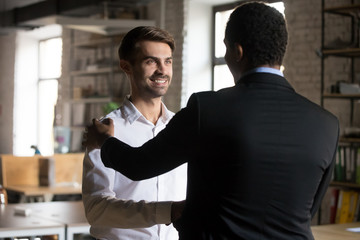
(93, 71)
(349, 51)
(91, 79)
(352, 51)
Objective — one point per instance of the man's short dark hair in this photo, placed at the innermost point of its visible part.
(127, 48)
(260, 30)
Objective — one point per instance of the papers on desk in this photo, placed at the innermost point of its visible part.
(22, 211)
(356, 229)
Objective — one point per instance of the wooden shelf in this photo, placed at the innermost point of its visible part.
(340, 95)
(349, 140)
(93, 43)
(98, 42)
(96, 100)
(92, 100)
(345, 184)
(99, 71)
(342, 52)
(347, 10)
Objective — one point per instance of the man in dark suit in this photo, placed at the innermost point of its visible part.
(260, 156)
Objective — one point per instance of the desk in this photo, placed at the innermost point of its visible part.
(69, 216)
(12, 225)
(28, 193)
(335, 232)
(72, 214)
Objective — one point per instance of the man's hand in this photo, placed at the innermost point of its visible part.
(96, 134)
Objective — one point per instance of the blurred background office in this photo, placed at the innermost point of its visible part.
(59, 69)
(52, 84)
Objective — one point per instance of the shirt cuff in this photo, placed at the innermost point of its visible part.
(92, 152)
(163, 212)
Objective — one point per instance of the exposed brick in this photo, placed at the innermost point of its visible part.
(303, 66)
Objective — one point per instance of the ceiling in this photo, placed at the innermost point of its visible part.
(30, 14)
(10, 4)
(99, 14)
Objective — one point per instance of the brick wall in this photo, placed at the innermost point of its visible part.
(7, 58)
(173, 21)
(303, 65)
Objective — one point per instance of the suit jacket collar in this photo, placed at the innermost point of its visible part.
(265, 78)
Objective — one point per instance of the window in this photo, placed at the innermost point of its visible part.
(37, 68)
(50, 52)
(221, 74)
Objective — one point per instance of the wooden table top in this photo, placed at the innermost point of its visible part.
(336, 231)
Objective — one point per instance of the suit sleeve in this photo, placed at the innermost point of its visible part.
(324, 183)
(171, 148)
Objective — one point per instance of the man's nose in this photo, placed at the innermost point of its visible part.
(161, 67)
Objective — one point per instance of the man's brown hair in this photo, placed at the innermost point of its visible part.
(127, 47)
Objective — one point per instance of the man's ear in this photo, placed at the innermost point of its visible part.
(239, 53)
(125, 66)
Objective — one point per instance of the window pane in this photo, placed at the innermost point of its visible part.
(220, 24)
(48, 93)
(50, 52)
(222, 77)
(279, 6)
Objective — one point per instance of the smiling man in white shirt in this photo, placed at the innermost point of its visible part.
(117, 207)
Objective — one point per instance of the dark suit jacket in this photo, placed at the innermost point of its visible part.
(260, 158)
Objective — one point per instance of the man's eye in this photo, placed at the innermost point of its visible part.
(169, 61)
(150, 61)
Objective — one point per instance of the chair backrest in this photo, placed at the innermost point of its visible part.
(18, 170)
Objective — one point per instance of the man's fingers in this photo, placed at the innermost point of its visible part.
(107, 121)
(97, 132)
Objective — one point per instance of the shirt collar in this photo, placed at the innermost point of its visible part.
(132, 113)
(263, 70)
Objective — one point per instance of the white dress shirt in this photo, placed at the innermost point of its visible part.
(119, 208)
